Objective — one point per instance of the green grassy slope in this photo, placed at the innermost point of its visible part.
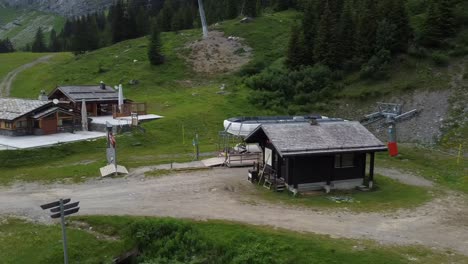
(189, 101)
(11, 61)
(23, 242)
(238, 243)
(20, 25)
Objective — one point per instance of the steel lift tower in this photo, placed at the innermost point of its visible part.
(391, 114)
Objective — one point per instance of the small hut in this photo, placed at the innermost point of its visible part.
(313, 155)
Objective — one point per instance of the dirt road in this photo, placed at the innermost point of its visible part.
(226, 194)
(5, 85)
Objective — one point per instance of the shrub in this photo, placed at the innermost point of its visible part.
(376, 68)
(417, 51)
(439, 59)
(168, 241)
(279, 89)
(252, 68)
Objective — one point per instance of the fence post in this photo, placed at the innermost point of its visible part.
(459, 153)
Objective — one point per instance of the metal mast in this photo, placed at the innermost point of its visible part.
(203, 18)
(391, 113)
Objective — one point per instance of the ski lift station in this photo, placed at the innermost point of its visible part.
(302, 153)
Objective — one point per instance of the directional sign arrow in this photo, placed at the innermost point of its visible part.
(65, 207)
(68, 212)
(54, 204)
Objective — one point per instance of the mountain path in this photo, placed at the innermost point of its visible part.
(225, 194)
(7, 82)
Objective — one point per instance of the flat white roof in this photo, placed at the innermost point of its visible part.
(127, 120)
(24, 142)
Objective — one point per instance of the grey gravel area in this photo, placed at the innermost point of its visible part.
(225, 194)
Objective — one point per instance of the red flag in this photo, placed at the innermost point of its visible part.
(112, 139)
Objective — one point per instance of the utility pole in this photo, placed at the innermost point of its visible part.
(203, 18)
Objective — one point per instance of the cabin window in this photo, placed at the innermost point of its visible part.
(21, 124)
(7, 124)
(67, 122)
(36, 124)
(344, 160)
(268, 156)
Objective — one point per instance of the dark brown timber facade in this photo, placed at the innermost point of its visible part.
(321, 154)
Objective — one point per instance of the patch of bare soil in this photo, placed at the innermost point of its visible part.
(222, 193)
(218, 54)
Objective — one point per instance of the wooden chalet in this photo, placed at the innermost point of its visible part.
(314, 155)
(101, 100)
(20, 117)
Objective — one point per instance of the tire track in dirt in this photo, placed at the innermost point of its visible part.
(7, 82)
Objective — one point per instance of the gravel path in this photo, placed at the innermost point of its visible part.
(225, 194)
(7, 82)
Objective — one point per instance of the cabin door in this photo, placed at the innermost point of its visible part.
(49, 124)
(284, 169)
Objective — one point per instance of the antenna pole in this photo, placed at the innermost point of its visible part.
(203, 18)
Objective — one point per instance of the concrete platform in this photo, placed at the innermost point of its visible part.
(25, 142)
(120, 121)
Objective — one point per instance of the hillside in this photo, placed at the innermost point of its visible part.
(191, 102)
(20, 24)
(60, 7)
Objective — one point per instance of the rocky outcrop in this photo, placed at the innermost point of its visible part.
(62, 7)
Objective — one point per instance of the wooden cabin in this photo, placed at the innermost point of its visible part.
(316, 155)
(20, 117)
(101, 100)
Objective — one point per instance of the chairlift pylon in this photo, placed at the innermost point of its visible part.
(392, 114)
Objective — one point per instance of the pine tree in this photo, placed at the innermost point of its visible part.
(177, 21)
(433, 33)
(250, 8)
(91, 33)
(38, 43)
(447, 21)
(325, 44)
(80, 38)
(231, 9)
(141, 22)
(309, 27)
(366, 30)
(154, 49)
(54, 43)
(117, 22)
(280, 5)
(386, 37)
(346, 34)
(6, 46)
(295, 54)
(395, 13)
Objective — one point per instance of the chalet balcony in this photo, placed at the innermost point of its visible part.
(128, 109)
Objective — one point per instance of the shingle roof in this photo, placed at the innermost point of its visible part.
(88, 92)
(12, 108)
(324, 137)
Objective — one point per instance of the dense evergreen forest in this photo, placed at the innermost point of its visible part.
(329, 40)
(135, 18)
(335, 38)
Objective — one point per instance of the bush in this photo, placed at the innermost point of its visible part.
(254, 67)
(417, 51)
(440, 59)
(279, 89)
(168, 241)
(376, 68)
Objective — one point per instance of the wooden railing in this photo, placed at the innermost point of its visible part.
(241, 160)
(129, 108)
